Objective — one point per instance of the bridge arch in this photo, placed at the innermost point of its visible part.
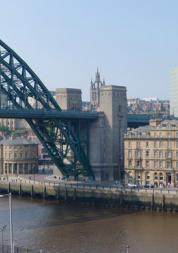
(22, 86)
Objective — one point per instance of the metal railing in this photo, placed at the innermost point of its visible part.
(7, 249)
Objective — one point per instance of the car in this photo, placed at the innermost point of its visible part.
(132, 186)
(54, 178)
(147, 186)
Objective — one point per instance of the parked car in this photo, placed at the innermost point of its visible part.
(54, 178)
(147, 186)
(132, 186)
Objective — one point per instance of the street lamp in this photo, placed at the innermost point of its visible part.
(10, 219)
(127, 249)
(2, 229)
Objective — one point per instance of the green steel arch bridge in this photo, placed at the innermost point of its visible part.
(50, 123)
(19, 82)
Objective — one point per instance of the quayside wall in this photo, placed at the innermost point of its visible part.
(149, 199)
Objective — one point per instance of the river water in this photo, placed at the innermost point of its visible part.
(80, 229)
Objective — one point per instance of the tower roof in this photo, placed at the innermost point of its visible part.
(97, 83)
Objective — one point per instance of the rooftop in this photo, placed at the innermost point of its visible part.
(146, 130)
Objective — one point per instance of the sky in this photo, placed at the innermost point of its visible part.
(133, 42)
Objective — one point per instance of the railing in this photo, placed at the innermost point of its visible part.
(7, 249)
(89, 186)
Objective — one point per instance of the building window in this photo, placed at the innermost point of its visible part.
(156, 164)
(147, 164)
(130, 163)
(176, 144)
(147, 153)
(168, 165)
(177, 165)
(177, 177)
(138, 144)
(138, 163)
(138, 153)
(169, 154)
(169, 144)
(155, 176)
(156, 154)
(169, 134)
(147, 144)
(177, 134)
(160, 154)
(160, 144)
(147, 176)
(130, 154)
(161, 176)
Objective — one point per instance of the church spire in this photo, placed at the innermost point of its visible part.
(95, 90)
(97, 78)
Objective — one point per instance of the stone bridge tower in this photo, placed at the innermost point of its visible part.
(107, 134)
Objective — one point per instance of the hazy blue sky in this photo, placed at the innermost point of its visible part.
(134, 43)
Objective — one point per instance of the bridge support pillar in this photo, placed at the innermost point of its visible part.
(107, 134)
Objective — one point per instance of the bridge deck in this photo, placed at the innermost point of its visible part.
(46, 114)
(134, 120)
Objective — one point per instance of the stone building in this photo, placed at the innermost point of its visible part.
(11, 124)
(151, 154)
(69, 98)
(107, 134)
(18, 156)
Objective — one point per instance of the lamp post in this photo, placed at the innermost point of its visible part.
(2, 229)
(127, 249)
(10, 219)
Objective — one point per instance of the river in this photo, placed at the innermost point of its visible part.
(80, 229)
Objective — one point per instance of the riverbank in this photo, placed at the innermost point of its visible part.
(148, 199)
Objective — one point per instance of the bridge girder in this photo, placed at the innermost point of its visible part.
(22, 85)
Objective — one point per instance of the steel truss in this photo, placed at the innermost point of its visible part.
(22, 87)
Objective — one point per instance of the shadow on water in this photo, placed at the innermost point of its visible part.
(51, 213)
